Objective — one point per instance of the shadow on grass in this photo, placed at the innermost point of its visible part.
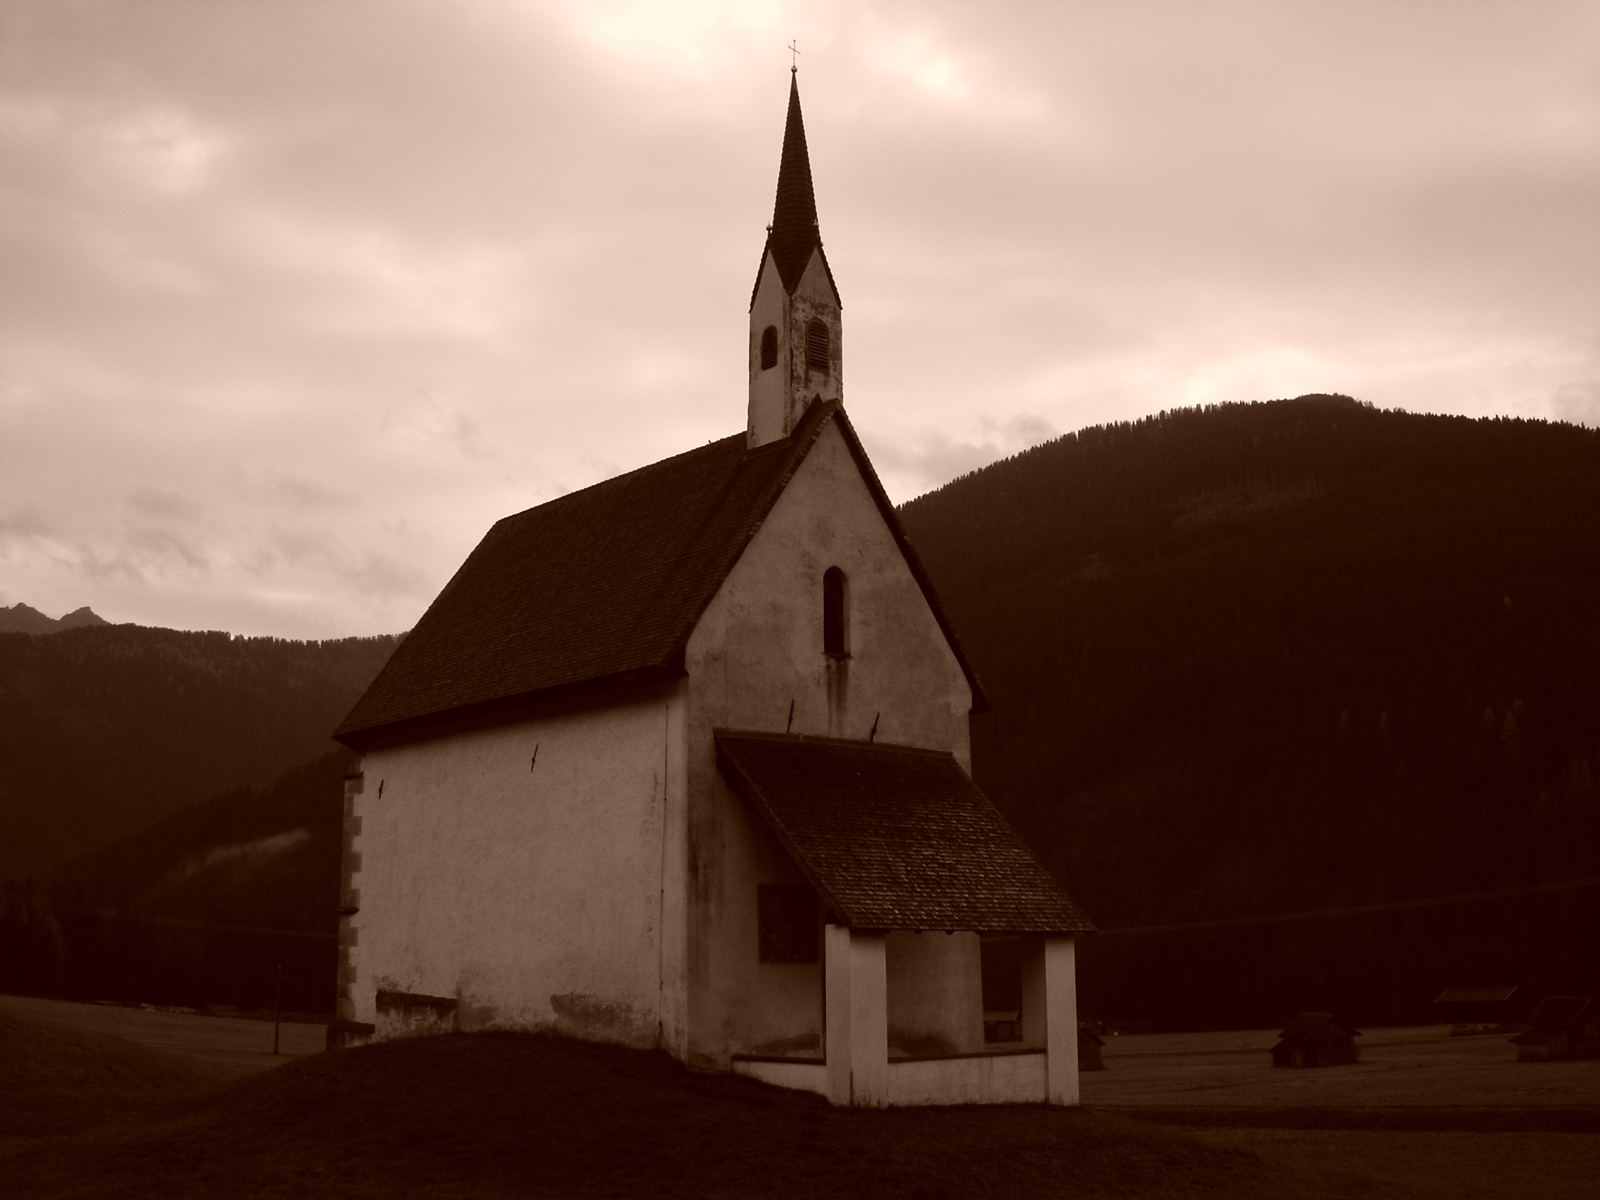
(527, 1115)
(55, 1079)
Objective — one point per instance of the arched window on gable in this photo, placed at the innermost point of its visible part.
(817, 345)
(769, 347)
(835, 611)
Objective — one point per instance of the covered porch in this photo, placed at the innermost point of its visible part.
(857, 1068)
(899, 845)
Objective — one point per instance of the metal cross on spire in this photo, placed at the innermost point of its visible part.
(794, 63)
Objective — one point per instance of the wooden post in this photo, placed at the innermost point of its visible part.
(869, 1020)
(1061, 1032)
(1050, 1010)
(836, 1043)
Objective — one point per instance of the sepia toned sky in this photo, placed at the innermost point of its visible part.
(297, 298)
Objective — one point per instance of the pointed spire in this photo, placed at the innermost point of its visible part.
(794, 217)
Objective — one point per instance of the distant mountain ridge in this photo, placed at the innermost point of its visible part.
(23, 618)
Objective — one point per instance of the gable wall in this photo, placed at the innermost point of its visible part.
(540, 894)
(759, 646)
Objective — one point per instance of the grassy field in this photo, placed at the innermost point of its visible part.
(236, 1046)
(1457, 1118)
(515, 1115)
(1418, 1066)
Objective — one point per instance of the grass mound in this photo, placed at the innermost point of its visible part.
(524, 1115)
(55, 1080)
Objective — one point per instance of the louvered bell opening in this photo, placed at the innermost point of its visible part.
(769, 347)
(817, 345)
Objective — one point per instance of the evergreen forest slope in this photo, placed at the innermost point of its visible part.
(1275, 658)
(105, 729)
(222, 903)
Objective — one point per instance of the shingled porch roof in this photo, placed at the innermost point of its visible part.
(606, 583)
(894, 837)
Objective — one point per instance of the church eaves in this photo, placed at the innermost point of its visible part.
(604, 584)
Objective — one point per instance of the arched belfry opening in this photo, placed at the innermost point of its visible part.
(795, 331)
(835, 614)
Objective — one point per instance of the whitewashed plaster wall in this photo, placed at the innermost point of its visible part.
(758, 648)
(780, 394)
(543, 894)
(934, 1009)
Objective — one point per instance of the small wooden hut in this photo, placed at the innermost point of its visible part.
(1089, 1045)
(1315, 1040)
(1563, 1027)
(1483, 1009)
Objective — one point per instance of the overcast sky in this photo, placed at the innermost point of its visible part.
(297, 298)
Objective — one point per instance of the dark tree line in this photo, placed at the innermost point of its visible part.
(217, 904)
(104, 730)
(1272, 658)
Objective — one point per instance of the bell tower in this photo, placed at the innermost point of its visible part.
(794, 308)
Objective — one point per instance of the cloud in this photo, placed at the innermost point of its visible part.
(912, 462)
(252, 853)
(1579, 401)
(164, 148)
(301, 298)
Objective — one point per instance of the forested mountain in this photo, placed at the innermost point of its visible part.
(1286, 657)
(105, 729)
(216, 903)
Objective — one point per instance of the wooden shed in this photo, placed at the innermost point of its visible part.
(1089, 1046)
(1483, 1009)
(1315, 1040)
(1563, 1027)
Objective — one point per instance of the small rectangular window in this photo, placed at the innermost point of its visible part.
(787, 916)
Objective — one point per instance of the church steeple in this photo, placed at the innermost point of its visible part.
(793, 233)
(794, 308)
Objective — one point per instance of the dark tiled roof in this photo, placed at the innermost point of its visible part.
(1477, 995)
(894, 837)
(604, 583)
(1559, 1012)
(1540, 1037)
(1310, 1024)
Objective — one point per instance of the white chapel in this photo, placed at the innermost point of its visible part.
(681, 760)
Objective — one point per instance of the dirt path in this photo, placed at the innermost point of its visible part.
(237, 1045)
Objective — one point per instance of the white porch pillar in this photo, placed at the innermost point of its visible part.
(836, 1010)
(857, 1017)
(1050, 1010)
